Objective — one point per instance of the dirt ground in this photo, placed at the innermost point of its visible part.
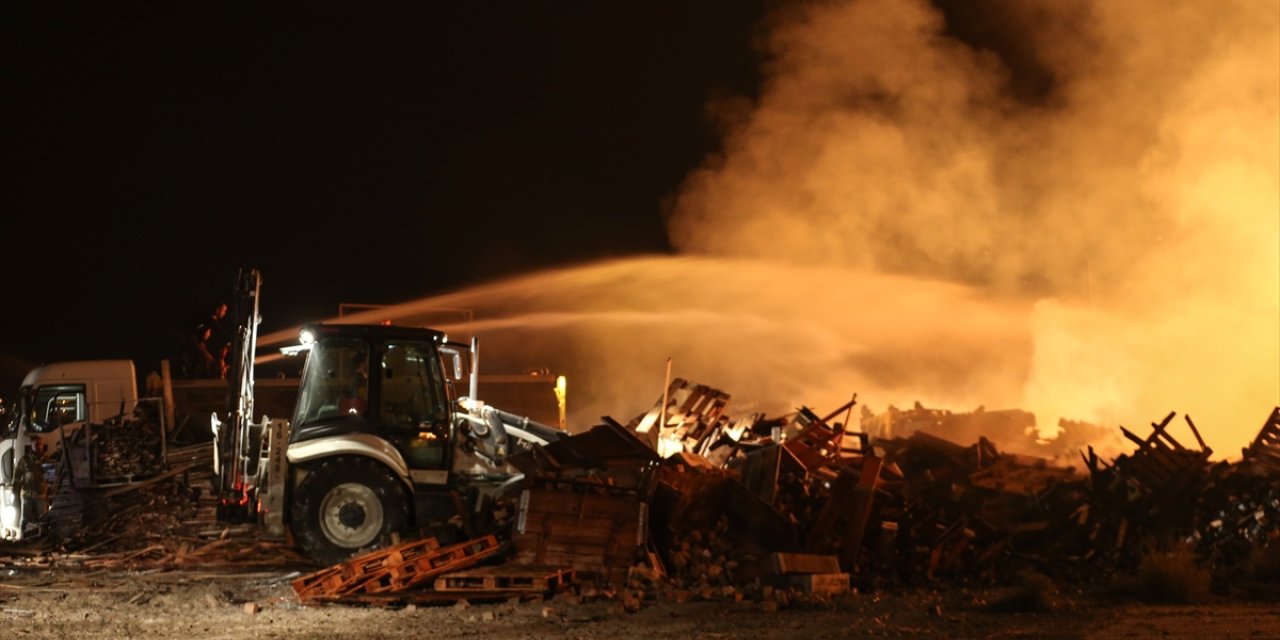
(40, 603)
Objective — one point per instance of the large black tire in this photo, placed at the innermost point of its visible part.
(346, 505)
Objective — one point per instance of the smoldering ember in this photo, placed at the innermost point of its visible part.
(690, 505)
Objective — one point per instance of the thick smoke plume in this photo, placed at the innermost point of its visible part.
(1134, 199)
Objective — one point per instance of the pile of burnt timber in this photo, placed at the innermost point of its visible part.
(123, 450)
(119, 450)
(687, 502)
(739, 505)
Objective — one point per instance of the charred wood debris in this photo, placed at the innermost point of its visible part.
(685, 502)
(119, 496)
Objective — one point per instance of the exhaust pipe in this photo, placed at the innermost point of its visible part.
(475, 368)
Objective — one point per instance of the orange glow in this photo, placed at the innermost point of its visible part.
(889, 219)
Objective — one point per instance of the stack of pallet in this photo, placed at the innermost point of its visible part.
(421, 571)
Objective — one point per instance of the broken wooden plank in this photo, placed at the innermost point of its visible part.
(134, 486)
(864, 495)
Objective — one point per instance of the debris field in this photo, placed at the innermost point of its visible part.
(685, 503)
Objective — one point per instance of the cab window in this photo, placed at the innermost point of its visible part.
(335, 381)
(56, 405)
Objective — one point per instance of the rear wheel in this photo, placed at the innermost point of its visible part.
(346, 505)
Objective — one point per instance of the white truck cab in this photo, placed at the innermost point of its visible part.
(63, 393)
(55, 400)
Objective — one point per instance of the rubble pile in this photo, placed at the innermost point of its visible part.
(125, 448)
(685, 503)
(734, 496)
(121, 449)
(159, 521)
(156, 511)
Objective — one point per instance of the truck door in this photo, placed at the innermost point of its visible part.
(412, 405)
(56, 411)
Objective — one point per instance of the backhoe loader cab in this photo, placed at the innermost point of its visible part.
(371, 439)
(381, 381)
(382, 441)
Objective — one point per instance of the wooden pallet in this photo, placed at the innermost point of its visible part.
(1265, 449)
(1161, 466)
(393, 569)
(419, 570)
(506, 579)
(341, 577)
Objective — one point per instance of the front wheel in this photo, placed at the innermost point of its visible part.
(346, 505)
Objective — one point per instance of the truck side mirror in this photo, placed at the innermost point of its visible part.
(456, 356)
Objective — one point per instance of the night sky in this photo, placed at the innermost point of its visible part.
(351, 151)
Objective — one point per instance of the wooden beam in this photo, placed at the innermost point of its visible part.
(863, 497)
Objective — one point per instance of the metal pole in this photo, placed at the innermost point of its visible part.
(666, 390)
(475, 368)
